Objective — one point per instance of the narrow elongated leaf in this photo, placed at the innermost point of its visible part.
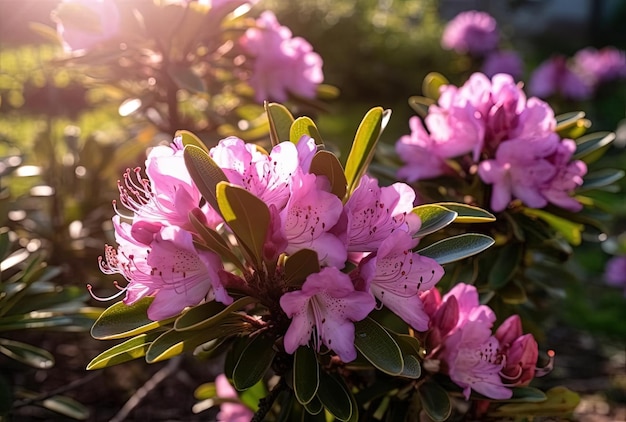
(304, 126)
(39, 319)
(435, 401)
(306, 375)
(131, 349)
(300, 265)
(49, 300)
(568, 120)
(121, 321)
(601, 178)
(434, 217)
(457, 247)
(378, 346)
(364, 145)
(505, 265)
(280, 122)
(205, 173)
(468, 214)
(254, 362)
(26, 354)
(325, 163)
(420, 105)
(66, 406)
(209, 314)
(213, 241)
(560, 401)
(190, 138)
(588, 144)
(570, 230)
(432, 83)
(247, 216)
(335, 396)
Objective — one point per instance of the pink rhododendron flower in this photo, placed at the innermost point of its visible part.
(615, 272)
(600, 66)
(569, 176)
(82, 24)
(397, 276)
(161, 261)
(230, 412)
(310, 217)
(326, 307)
(468, 305)
(520, 351)
(555, 76)
(471, 32)
(282, 64)
(374, 213)
(503, 61)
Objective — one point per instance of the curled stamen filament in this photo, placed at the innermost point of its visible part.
(122, 290)
(540, 372)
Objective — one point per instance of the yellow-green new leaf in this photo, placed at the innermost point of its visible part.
(304, 126)
(570, 230)
(432, 83)
(280, 120)
(559, 401)
(364, 145)
(247, 216)
(131, 349)
(121, 321)
(468, 213)
(204, 172)
(325, 163)
(190, 138)
(420, 105)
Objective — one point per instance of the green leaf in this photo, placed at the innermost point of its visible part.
(378, 346)
(121, 321)
(47, 300)
(254, 361)
(184, 77)
(172, 342)
(505, 265)
(253, 395)
(567, 121)
(214, 242)
(420, 105)
(559, 401)
(513, 293)
(66, 406)
(280, 120)
(26, 354)
(591, 147)
(325, 163)
(435, 401)
(600, 179)
(314, 408)
(39, 319)
(247, 216)
(468, 213)
(570, 230)
(434, 217)
(131, 349)
(458, 247)
(306, 376)
(209, 314)
(364, 145)
(432, 83)
(300, 265)
(205, 391)
(304, 126)
(335, 396)
(205, 173)
(410, 348)
(528, 394)
(190, 138)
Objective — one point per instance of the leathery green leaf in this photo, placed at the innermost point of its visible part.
(560, 401)
(254, 361)
(121, 321)
(213, 241)
(208, 314)
(205, 173)
(364, 145)
(304, 126)
(568, 120)
(420, 105)
(190, 138)
(26, 354)
(247, 216)
(601, 178)
(431, 84)
(505, 265)
(527, 394)
(335, 397)
(66, 406)
(457, 247)
(468, 214)
(588, 144)
(435, 401)
(314, 408)
(173, 343)
(410, 347)
(300, 265)
(378, 346)
(306, 375)
(280, 122)
(434, 217)
(131, 349)
(570, 230)
(325, 163)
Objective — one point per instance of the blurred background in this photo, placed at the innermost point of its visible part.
(66, 138)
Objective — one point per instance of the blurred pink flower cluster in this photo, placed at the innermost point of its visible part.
(510, 139)
(461, 342)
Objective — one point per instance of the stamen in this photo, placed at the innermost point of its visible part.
(540, 372)
(105, 299)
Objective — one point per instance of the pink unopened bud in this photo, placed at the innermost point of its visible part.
(509, 331)
(521, 360)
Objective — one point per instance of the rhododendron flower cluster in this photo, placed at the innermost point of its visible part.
(471, 32)
(490, 125)
(159, 256)
(476, 359)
